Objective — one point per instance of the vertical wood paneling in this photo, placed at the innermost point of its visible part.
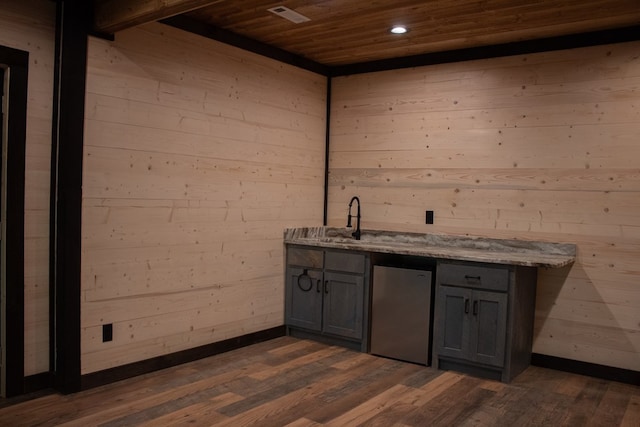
(197, 156)
(30, 26)
(541, 147)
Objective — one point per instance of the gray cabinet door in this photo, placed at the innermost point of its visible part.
(489, 327)
(452, 321)
(303, 298)
(343, 304)
(471, 325)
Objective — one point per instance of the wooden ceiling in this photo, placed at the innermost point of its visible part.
(344, 32)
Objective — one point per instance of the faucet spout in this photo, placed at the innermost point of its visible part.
(355, 234)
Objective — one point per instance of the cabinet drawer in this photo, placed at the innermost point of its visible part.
(473, 276)
(304, 257)
(345, 261)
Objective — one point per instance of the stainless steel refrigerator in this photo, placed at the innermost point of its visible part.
(401, 314)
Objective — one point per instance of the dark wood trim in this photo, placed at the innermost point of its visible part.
(609, 373)
(161, 362)
(327, 139)
(72, 29)
(26, 397)
(37, 382)
(209, 31)
(18, 63)
(573, 41)
(53, 184)
(104, 36)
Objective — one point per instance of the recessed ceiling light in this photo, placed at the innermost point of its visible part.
(399, 29)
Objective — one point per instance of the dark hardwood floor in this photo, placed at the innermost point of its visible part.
(287, 381)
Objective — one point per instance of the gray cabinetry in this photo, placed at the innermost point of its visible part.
(488, 327)
(484, 318)
(343, 304)
(325, 295)
(304, 298)
(473, 325)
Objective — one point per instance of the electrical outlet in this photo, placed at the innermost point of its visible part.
(107, 332)
(429, 217)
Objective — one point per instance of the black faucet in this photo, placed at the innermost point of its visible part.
(355, 234)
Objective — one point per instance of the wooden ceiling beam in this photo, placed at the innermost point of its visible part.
(111, 16)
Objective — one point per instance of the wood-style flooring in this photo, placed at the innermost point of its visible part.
(293, 382)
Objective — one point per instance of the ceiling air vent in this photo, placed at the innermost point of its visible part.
(289, 14)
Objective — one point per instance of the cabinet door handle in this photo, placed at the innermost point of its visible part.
(466, 305)
(318, 285)
(326, 286)
(475, 308)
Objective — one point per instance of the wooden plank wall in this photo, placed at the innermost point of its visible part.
(197, 156)
(541, 146)
(29, 25)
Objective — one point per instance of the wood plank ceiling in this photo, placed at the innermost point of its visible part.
(344, 32)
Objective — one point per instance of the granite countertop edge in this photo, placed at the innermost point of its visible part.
(441, 246)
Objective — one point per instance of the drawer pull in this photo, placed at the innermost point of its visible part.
(466, 276)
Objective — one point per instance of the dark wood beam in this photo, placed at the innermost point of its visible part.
(111, 16)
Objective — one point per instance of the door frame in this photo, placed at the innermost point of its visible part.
(73, 21)
(17, 64)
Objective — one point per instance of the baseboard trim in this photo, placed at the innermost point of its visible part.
(33, 387)
(37, 382)
(118, 373)
(609, 373)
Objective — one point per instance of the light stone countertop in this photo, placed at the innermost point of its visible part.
(441, 246)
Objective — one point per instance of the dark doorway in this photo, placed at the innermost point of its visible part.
(14, 64)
